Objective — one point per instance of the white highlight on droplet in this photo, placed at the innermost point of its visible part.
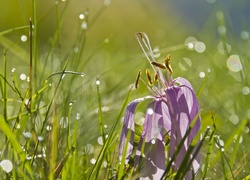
(234, 63)
(153, 141)
(150, 111)
(23, 77)
(24, 38)
(6, 165)
(81, 16)
(92, 161)
(99, 140)
(202, 74)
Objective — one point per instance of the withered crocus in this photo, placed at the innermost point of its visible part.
(173, 108)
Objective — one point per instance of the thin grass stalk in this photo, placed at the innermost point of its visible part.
(95, 170)
(5, 87)
(209, 150)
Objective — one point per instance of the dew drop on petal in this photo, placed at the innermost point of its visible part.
(92, 161)
(234, 63)
(150, 111)
(245, 90)
(6, 165)
(24, 38)
(153, 141)
(234, 119)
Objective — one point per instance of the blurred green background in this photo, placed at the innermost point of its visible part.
(206, 38)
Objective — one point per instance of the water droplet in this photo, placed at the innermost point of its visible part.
(23, 77)
(40, 138)
(200, 47)
(234, 64)
(236, 137)
(221, 144)
(82, 74)
(27, 134)
(88, 149)
(64, 122)
(245, 90)
(234, 119)
(78, 116)
(81, 16)
(105, 164)
(13, 69)
(28, 79)
(18, 126)
(6, 165)
(202, 74)
(63, 75)
(244, 35)
(98, 82)
(84, 25)
(105, 126)
(153, 141)
(156, 52)
(150, 111)
(99, 140)
(48, 128)
(92, 161)
(24, 38)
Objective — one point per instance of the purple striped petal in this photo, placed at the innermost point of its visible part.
(184, 109)
(128, 124)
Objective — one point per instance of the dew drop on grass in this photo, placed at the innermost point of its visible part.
(13, 69)
(81, 16)
(82, 74)
(24, 38)
(18, 126)
(84, 25)
(64, 122)
(105, 164)
(99, 140)
(48, 128)
(98, 82)
(202, 74)
(6, 165)
(92, 161)
(27, 134)
(40, 138)
(23, 77)
(236, 137)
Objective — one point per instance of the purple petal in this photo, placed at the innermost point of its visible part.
(153, 158)
(128, 124)
(184, 109)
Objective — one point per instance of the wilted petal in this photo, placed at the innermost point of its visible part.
(184, 109)
(128, 124)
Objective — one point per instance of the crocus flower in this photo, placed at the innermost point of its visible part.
(173, 108)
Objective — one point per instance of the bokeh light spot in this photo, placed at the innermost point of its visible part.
(245, 90)
(24, 38)
(6, 165)
(234, 64)
(200, 47)
(234, 119)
